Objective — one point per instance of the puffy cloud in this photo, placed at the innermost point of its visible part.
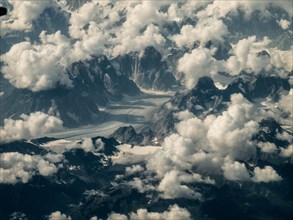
(178, 153)
(177, 11)
(93, 28)
(110, 33)
(286, 102)
(133, 169)
(245, 57)
(38, 66)
(80, 18)
(23, 13)
(281, 59)
(29, 126)
(205, 30)
(235, 171)
(198, 63)
(284, 136)
(58, 216)
(231, 132)
(201, 147)
(100, 145)
(150, 37)
(287, 152)
(284, 24)
(172, 185)
(116, 216)
(192, 128)
(92, 43)
(16, 167)
(221, 9)
(87, 145)
(141, 185)
(173, 212)
(141, 15)
(141, 27)
(186, 146)
(267, 147)
(54, 158)
(267, 174)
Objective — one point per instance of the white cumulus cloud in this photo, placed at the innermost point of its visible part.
(267, 174)
(173, 212)
(23, 13)
(287, 152)
(38, 66)
(206, 30)
(16, 167)
(200, 62)
(284, 24)
(58, 216)
(29, 126)
(235, 171)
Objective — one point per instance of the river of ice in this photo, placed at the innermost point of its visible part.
(136, 111)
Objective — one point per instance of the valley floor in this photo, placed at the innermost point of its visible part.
(136, 111)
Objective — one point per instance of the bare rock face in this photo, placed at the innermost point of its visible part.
(148, 70)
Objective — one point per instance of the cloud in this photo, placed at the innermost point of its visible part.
(178, 11)
(213, 145)
(93, 42)
(192, 128)
(58, 216)
(23, 13)
(245, 57)
(38, 66)
(171, 142)
(205, 30)
(133, 169)
(116, 216)
(287, 152)
(150, 37)
(284, 24)
(267, 174)
(16, 167)
(123, 27)
(87, 145)
(173, 185)
(80, 18)
(281, 59)
(235, 171)
(141, 27)
(29, 126)
(286, 102)
(230, 132)
(221, 9)
(99, 145)
(141, 15)
(173, 212)
(141, 185)
(267, 147)
(200, 62)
